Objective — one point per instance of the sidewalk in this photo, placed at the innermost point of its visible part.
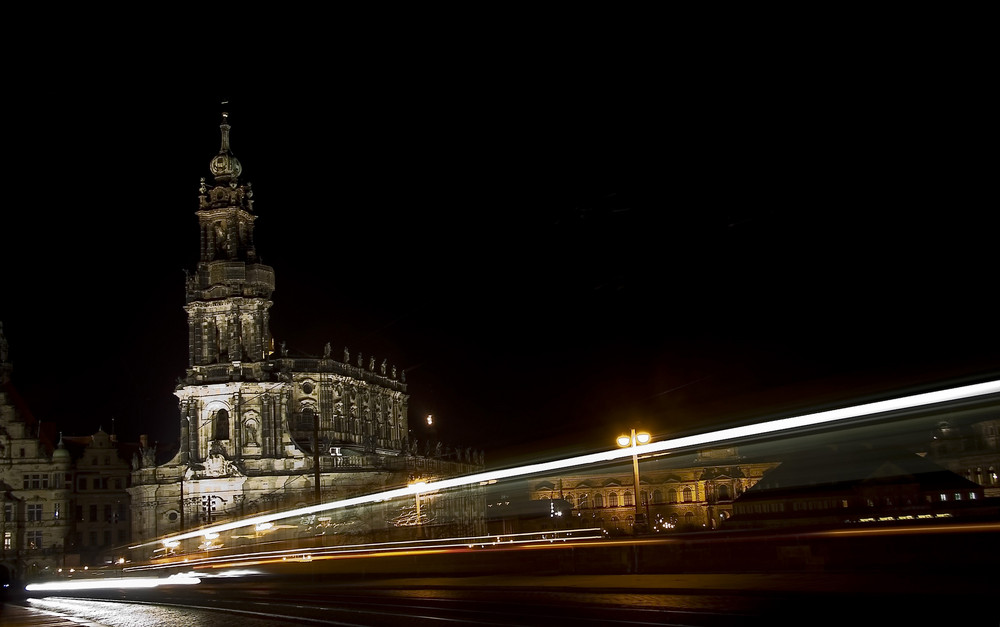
(13, 614)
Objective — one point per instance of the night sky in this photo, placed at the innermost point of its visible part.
(552, 250)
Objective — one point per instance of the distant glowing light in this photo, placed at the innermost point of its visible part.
(733, 433)
(430, 420)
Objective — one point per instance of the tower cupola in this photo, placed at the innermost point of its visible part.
(225, 167)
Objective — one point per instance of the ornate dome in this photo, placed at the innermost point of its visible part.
(61, 453)
(225, 167)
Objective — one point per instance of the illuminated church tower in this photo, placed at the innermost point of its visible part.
(259, 429)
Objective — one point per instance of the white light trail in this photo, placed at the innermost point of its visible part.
(438, 544)
(115, 583)
(773, 426)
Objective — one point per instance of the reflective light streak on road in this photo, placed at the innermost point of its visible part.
(734, 433)
(440, 545)
(913, 529)
(458, 545)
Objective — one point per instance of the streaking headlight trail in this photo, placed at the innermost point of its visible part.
(733, 433)
(115, 583)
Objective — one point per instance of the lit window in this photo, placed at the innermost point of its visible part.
(944, 497)
(972, 496)
(958, 496)
(34, 539)
(7, 539)
(56, 510)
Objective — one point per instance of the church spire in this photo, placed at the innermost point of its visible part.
(225, 167)
(228, 296)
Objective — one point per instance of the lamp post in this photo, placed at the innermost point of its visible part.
(416, 483)
(631, 440)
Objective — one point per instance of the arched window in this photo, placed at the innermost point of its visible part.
(598, 500)
(628, 499)
(671, 495)
(657, 497)
(613, 499)
(688, 495)
(220, 425)
(581, 501)
(306, 419)
(724, 493)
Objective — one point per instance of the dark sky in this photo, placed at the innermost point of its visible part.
(553, 249)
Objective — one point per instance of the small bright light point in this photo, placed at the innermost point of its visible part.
(430, 419)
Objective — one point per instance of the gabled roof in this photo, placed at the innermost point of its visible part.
(838, 468)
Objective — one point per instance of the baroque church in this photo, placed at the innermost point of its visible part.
(260, 430)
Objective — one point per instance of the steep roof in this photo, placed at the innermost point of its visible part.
(833, 468)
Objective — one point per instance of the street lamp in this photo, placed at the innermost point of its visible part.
(631, 440)
(415, 484)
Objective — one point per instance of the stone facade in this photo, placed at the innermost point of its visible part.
(698, 496)
(971, 451)
(261, 430)
(35, 486)
(101, 504)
